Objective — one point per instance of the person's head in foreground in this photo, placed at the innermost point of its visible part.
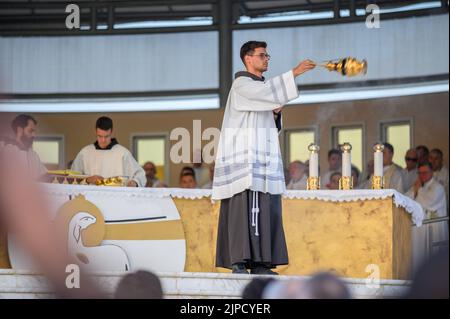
(255, 288)
(139, 285)
(320, 286)
(431, 280)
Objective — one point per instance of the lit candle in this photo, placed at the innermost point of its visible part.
(313, 160)
(346, 160)
(378, 159)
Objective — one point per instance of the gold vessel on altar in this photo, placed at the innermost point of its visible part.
(112, 181)
(348, 66)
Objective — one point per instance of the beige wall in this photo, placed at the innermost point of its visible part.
(429, 114)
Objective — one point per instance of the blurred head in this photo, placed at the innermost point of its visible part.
(436, 159)
(334, 159)
(325, 286)
(139, 285)
(284, 289)
(425, 172)
(296, 170)
(150, 170)
(24, 127)
(254, 56)
(388, 154)
(103, 130)
(255, 288)
(431, 280)
(188, 181)
(187, 178)
(422, 154)
(334, 180)
(411, 159)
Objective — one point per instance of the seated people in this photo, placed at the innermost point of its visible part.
(297, 176)
(107, 158)
(150, 175)
(187, 178)
(334, 181)
(335, 165)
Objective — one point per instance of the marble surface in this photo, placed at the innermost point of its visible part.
(29, 285)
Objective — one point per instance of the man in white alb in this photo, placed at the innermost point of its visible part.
(107, 158)
(249, 175)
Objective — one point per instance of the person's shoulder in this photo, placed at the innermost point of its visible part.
(437, 186)
(89, 147)
(121, 149)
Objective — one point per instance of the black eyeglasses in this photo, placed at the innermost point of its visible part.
(262, 55)
(411, 159)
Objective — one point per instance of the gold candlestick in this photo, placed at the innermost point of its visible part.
(378, 180)
(346, 183)
(348, 66)
(313, 183)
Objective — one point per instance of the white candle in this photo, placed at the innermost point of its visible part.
(346, 164)
(378, 163)
(314, 164)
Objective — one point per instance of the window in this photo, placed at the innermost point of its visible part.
(50, 150)
(399, 135)
(354, 136)
(152, 148)
(297, 142)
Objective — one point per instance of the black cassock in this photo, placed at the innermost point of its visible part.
(250, 237)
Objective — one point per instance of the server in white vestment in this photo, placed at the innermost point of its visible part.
(436, 158)
(249, 175)
(431, 195)
(107, 158)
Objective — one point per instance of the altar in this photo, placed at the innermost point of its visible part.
(354, 233)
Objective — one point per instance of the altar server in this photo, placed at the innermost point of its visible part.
(107, 158)
(249, 176)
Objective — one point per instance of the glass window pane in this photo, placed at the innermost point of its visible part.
(298, 145)
(48, 151)
(399, 136)
(354, 137)
(152, 149)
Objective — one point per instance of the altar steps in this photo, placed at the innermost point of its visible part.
(28, 285)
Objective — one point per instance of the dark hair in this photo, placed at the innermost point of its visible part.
(427, 164)
(22, 121)
(139, 285)
(104, 123)
(335, 174)
(255, 288)
(250, 46)
(438, 152)
(334, 151)
(187, 171)
(389, 147)
(423, 148)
